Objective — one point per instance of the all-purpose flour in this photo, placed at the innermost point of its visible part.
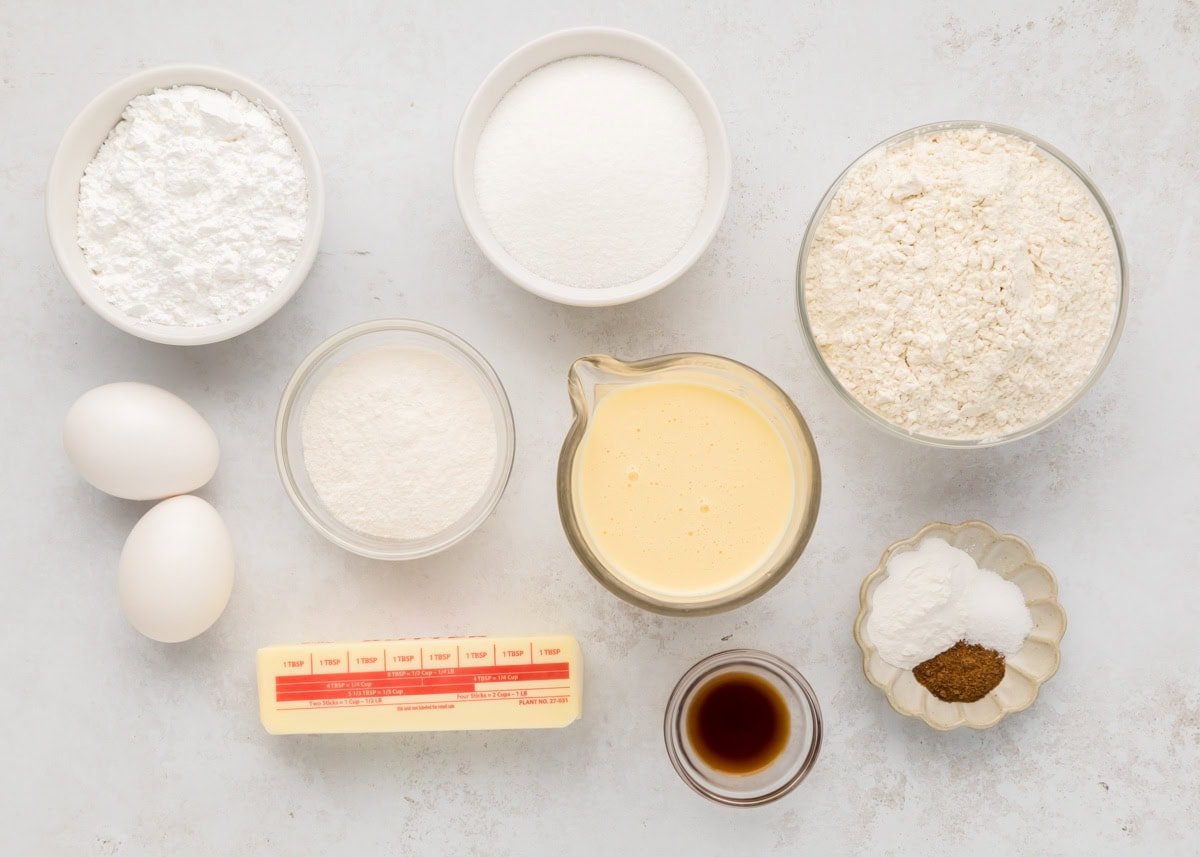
(399, 441)
(194, 208)
(592, 171)
(962, 284)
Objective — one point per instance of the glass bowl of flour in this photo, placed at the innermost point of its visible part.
(394, 439)
(962, 284)
(185, 204)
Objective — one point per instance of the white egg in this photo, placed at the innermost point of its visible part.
(139, 442)
(176, 570)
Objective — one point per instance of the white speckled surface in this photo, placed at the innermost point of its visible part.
(121, 746)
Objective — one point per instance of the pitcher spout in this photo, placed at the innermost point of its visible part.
(587, 376)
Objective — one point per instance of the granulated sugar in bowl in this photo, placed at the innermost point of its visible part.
(591, 167)
(592, 171)
(962, 284)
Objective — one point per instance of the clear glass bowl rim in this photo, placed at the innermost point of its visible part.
(698, 673)
(301, 377)
(954, 443)
(566, 504)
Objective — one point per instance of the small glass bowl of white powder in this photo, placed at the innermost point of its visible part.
(962, 284)
(394, 439)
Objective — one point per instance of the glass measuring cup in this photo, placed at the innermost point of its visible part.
(591, 377)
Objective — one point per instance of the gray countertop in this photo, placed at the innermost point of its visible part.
(120, 746)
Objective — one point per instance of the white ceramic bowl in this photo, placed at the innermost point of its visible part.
(289, 445)
(79, 145)
(1024, 673)
(593, 41)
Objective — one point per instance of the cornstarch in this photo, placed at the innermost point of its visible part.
(935, 596)
(592, 171)
(962, 284)
(194, 209)
(399, 441)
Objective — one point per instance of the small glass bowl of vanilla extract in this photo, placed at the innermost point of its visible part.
(743, 727)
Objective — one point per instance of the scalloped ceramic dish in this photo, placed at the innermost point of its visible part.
(1024, 672)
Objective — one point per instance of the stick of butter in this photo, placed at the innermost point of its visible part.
(414, 685)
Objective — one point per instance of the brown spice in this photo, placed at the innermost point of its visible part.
(963, 673)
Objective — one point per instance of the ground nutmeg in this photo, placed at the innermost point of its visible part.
(963, 673)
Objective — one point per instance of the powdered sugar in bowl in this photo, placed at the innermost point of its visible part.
(394, 439)
(962, 284)
(213, 288)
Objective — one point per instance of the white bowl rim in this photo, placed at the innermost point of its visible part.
(161, 77)
(720, 179)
